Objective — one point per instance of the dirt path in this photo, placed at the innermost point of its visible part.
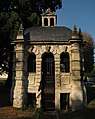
(12, 113)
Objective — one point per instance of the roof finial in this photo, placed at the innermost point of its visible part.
(75, 29)
(20, 29)
(48, 10)
(20, 34)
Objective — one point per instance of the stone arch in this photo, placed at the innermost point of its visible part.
(45, 21)
(64, 62)
(31, 62)
(48, 81)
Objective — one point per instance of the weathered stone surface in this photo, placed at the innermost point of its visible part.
(65, 80)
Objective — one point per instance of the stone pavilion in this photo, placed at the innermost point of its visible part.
(48, 66)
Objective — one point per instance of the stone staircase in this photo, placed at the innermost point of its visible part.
(48, 115)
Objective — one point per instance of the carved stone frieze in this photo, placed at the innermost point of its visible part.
(48, 48)
(30, 50)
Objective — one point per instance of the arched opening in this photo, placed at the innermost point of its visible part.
(48, 82)
(64, 62)
(31, 63)
(45, 21)
(51, 21)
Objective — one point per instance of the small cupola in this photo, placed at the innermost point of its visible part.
(49, 18)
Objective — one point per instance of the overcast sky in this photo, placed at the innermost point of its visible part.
(79, 12)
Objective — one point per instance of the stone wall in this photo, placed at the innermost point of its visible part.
(25, 82)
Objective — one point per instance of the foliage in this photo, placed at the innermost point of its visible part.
(24, 8)
(88, 52)
(9, 24)
(53, 4)
(34, 19)
(2, 82)
(93, 72)
(12, 13)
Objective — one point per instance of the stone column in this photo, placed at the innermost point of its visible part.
(19, 94)
(38, 80)
(43, 21)
(76, 70)
(55, 20)
(76, 61)
(48, 21)
(57, 81)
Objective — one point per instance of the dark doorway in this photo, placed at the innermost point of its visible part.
(32, 99)
(64, 101)
(48, 82)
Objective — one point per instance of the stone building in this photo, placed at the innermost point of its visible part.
(48, 67)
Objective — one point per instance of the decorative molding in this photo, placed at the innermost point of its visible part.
(18, 46)
(75, 45)
(65, 48)
(48, 47)
(39, 48)
(30, 50)
(65, 80)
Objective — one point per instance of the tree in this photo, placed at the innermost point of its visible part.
(12, 13)
(25, 8)
(29, 8)
(8, 30)
(88, 52)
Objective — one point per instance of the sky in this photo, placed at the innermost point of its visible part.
(79, 12)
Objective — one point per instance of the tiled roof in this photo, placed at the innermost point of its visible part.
(48, 34)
